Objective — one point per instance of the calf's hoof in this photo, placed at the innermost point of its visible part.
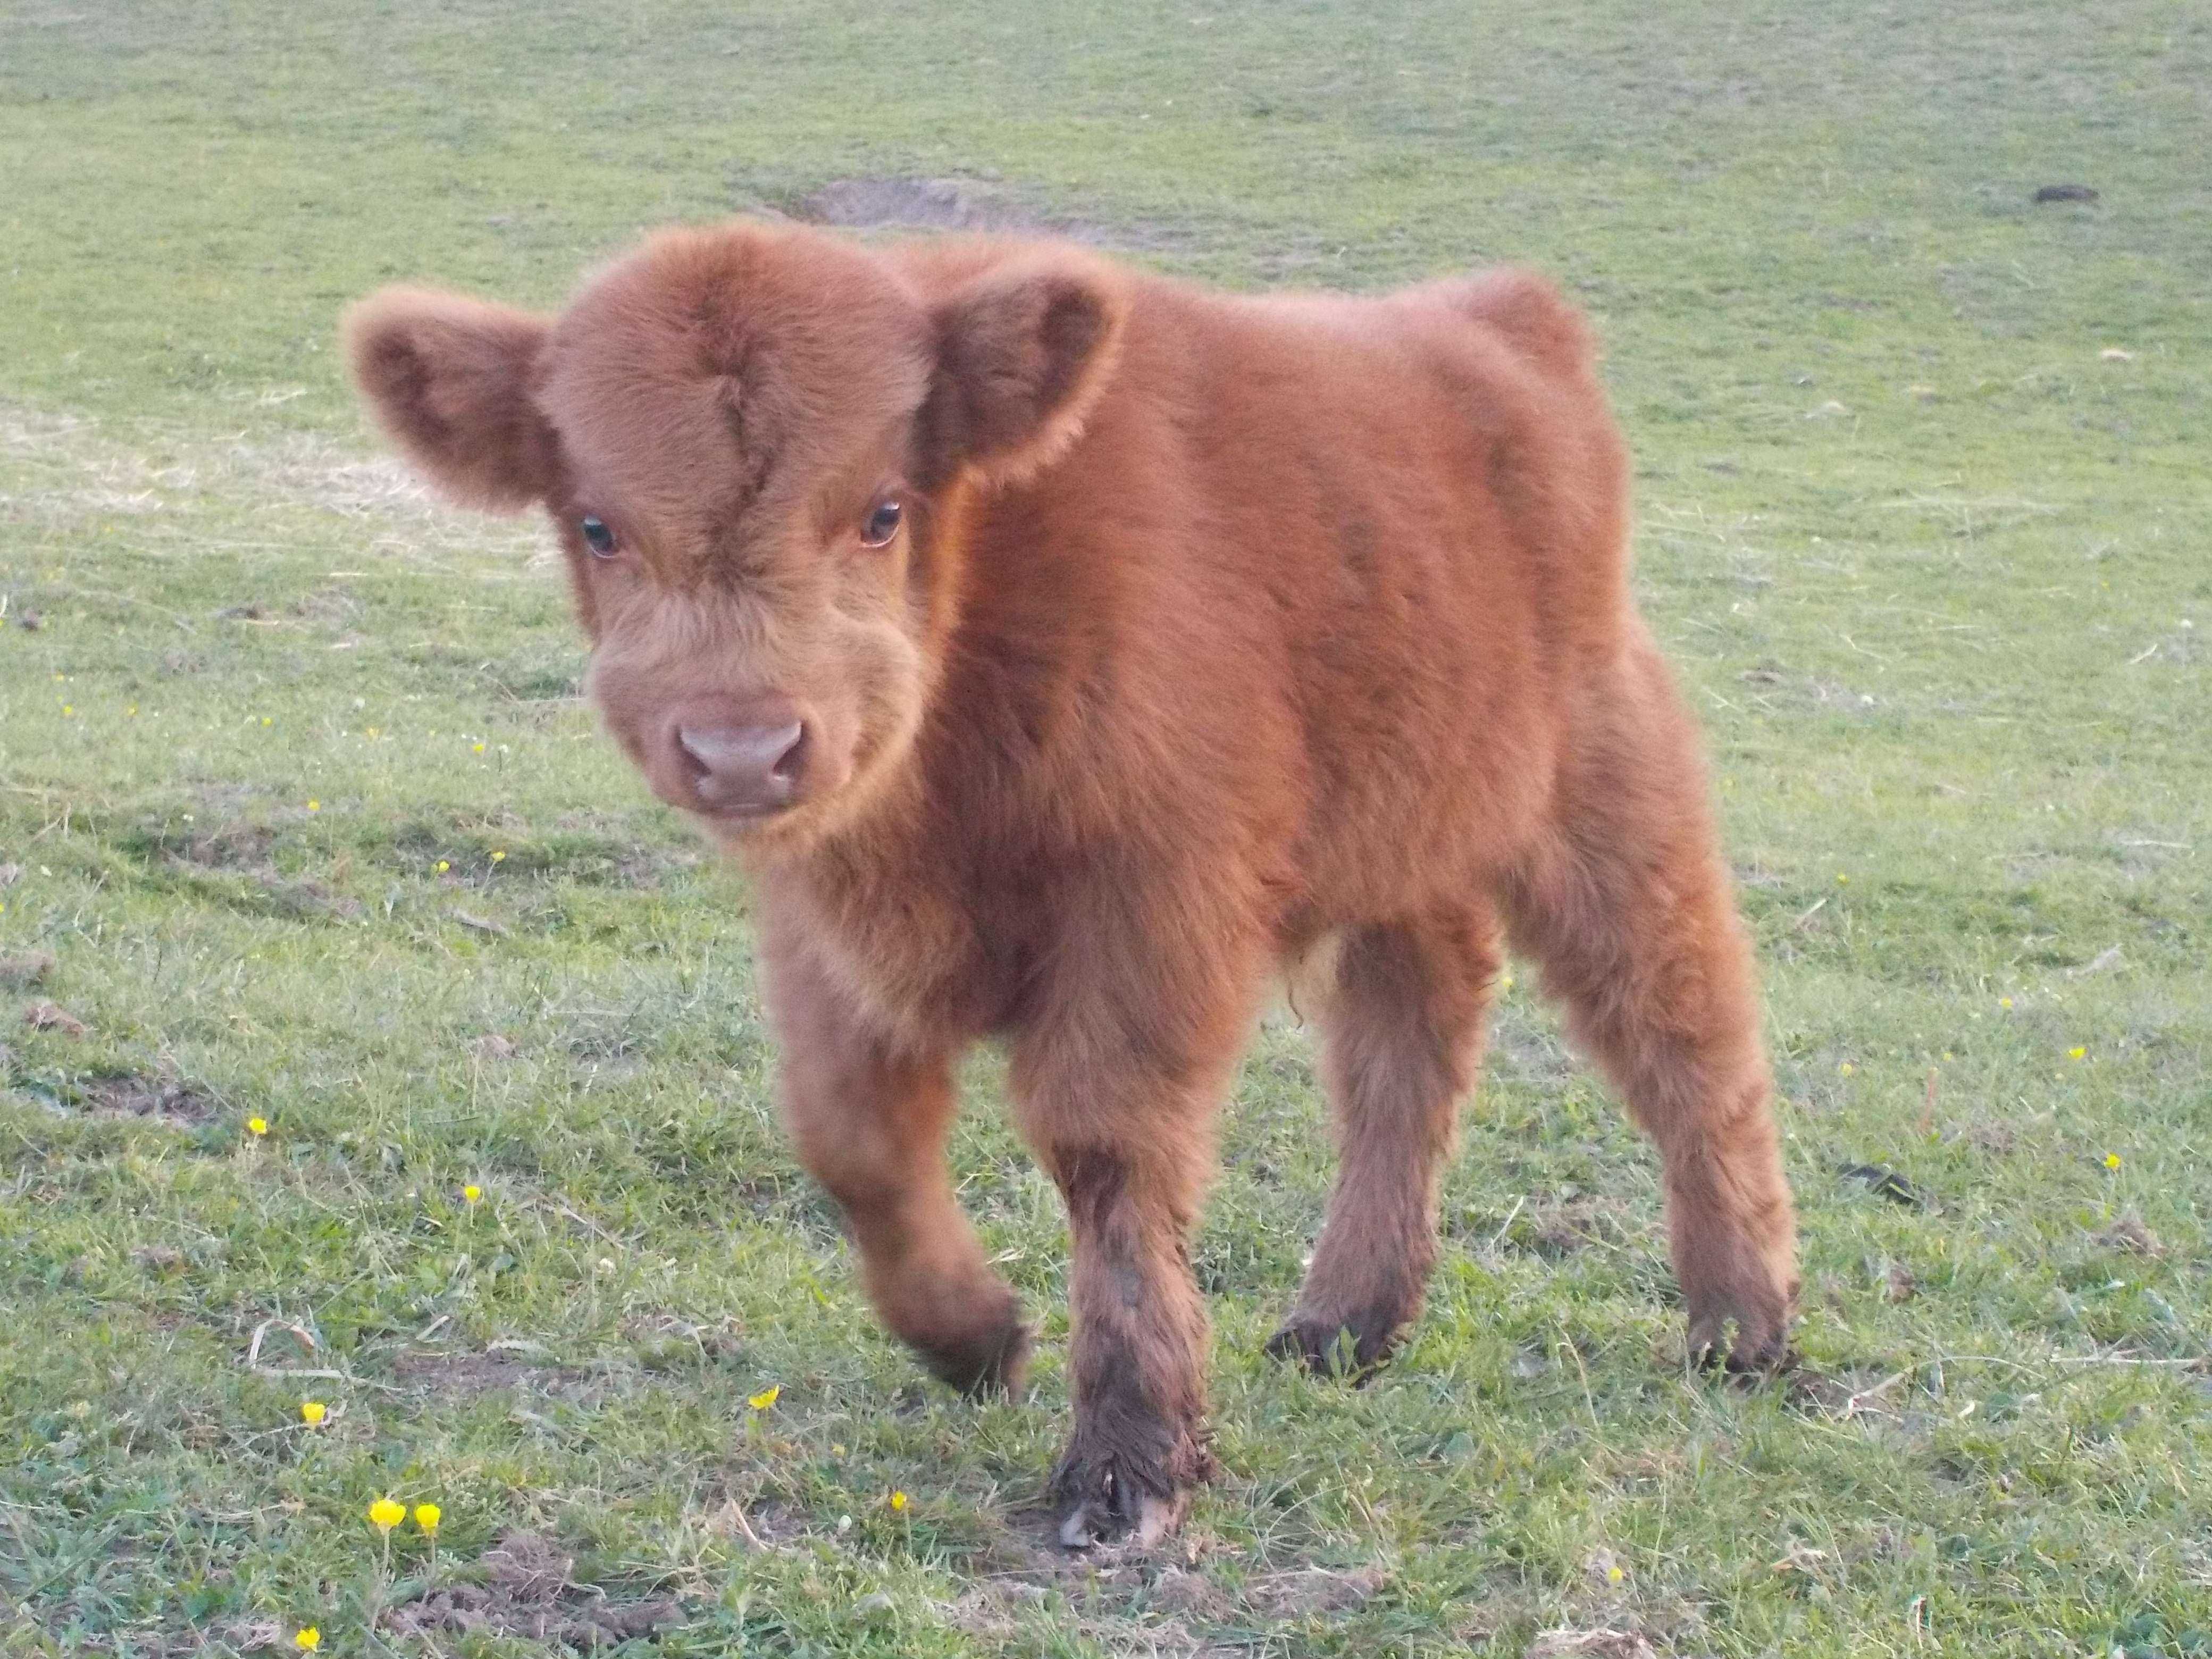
(1353, 1349)
(993, 1358)
(1759, 1308)
(1143, 1519)
(1109, 1497)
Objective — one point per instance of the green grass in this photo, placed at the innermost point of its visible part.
(302, 804)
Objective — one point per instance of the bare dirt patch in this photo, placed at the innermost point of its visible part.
(1310, 1591)
(135, 1095)
(468, 1374)
(1591, 1644)
(893, 202)
(530, 1593)
(232, 863)
(19, 973)
(234, 846)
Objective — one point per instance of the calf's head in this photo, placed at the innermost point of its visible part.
(757, 445)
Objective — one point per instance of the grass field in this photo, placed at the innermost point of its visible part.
(302, 822)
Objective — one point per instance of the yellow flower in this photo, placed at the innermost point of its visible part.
(477, 748)
(256, 1126)
(2075, 1053)
(498, 856)
(308, 1639)
(2111, 1160)
(264, 720)
(312, 1411)
(1846, 1069)
(898, 1499)
(1613, 1575)
(384, 1515)
(427, 1516)
(765, 1398)
(133, 709)
(2004, 1002)
(314, 806)
(472, 1193)
(444, 864)
(1841, 880)
(67, 709)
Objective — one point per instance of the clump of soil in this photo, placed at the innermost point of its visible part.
(529, 1594)
(53, 1017)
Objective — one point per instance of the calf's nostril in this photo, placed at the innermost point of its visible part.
(789, 762)
(745, 766)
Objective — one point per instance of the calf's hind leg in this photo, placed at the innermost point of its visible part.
(1401, 1024)
(1627, 906)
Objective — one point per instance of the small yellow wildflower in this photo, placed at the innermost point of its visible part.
(499, 856)
(444, 864)
(256, 1126)
(2111, 1160)
(1506, 983)
(898, 1499)
(476, 747)
(312, 1412)
(314, 806)
(308, 1639)
(133, 710)
(2004, 1002)
(1841, 880)
(265, 721)
(472, 1193)
(67, 709)
(1613, 1575)
(2075, 1053)
(427, 1516)
(1846, 1069)
(765, 1398)
(384, 1515)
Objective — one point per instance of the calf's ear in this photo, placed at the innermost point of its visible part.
(1022, 356)
(449, 380)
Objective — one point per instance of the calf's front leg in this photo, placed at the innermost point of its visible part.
(1127, 1136)
(869, 1119)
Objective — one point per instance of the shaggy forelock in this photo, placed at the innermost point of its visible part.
(714, 369)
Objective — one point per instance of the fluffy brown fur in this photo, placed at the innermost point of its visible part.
(1212, 635)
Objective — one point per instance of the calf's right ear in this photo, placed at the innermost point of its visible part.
(449, 380)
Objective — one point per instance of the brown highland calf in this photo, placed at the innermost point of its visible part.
(1065, 650)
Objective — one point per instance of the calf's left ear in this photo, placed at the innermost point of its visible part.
(449, 379)
(1022, 356)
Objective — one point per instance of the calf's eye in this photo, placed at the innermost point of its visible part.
(598, 537)
(882, 523)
